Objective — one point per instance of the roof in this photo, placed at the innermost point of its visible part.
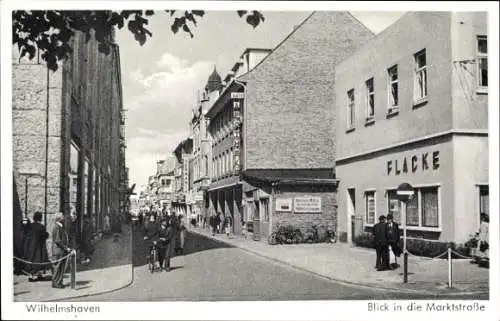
(214, 81)
(321, 176)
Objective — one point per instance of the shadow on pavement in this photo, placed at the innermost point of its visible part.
(193, 243)
(21, 292)
(110, 252)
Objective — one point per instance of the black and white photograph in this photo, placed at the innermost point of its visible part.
(247, 155)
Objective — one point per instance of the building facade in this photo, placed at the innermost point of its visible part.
(181, 202)
(412, 107)
(273, 130)
(66, 136)
(164, 183)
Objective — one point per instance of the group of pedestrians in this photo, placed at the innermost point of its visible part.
(220, 224)
(387, 242)
(35, 258)
(167, 232)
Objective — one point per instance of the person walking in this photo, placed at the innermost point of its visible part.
(35, 247)
(151, 229)
(60, 249)
(381, 244)
(483, 247)
(228, 225)
(220, 221)
(165, 234)
(182, 233)
(394, 241)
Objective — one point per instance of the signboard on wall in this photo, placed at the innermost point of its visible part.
(284, 204)
(308, 204)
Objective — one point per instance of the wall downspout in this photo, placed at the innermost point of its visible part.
(45, 201)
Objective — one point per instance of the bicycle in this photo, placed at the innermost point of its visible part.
(153, 258)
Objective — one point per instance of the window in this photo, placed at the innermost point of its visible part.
(420, 91)
(484, 200)
(482, 61)
(393, 206)
(393, 87)
(265, 209)
(422, 210)
(370, 99)
(231, 165)
(370, 207)
(350, 109)
(223, 172)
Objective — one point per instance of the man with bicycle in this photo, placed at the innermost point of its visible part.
(165, 234)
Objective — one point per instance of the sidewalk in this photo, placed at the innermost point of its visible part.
(345, 263)
(110, 269)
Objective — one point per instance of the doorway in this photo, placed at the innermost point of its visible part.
(351, 211)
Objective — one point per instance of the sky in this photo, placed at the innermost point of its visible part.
(161, 79)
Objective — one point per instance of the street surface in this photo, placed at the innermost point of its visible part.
(211, 271)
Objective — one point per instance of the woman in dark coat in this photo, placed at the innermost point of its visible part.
(165, 234)
(35, 248)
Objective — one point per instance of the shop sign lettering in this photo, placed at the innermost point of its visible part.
(284, 204)
(308, 204)
(422, 162)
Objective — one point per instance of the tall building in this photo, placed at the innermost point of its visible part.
(181, 202)
(164, 182)
(412, 106)
(66, 136)
(272, 130)
(199, 164)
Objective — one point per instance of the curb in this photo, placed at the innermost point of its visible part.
(108, 290)
(340, 281)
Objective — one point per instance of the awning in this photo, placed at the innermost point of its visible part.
(293, 176)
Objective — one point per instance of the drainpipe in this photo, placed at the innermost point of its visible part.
(46, 150)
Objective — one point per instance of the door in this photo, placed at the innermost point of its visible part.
(351, 212)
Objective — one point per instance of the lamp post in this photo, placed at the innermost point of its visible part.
(405, 192)
(27, 174)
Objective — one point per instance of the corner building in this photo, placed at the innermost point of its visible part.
(412, 107)
(68, 128)
(283, 128)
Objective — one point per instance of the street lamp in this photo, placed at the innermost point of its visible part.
(405, 192)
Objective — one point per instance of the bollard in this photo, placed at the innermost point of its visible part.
(405, 267)
(73, 269)
(450, 284)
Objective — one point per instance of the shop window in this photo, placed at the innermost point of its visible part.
(484, 200)
(393, 88)
(422, 210)
(370, 207)
(370, 100)
(482, 61)
(350, 109)
(265, 209)
(430, 210)
(393, 206)
(86, 193)
(420, 90)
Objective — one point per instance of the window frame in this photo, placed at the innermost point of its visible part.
(369, 97)
(418, 194)
(365, 194)
(479, 56)
(391, 107)
(417, 71)
(351, 111)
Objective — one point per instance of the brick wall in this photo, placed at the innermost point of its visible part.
(289, 117)
(327, 218)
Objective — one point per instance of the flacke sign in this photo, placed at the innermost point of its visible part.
(422, 162)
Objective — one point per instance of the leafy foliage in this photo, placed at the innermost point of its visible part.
(51, 30)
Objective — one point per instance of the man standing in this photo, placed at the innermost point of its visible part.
(381, 244)
(59, 250)
(394, 240)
